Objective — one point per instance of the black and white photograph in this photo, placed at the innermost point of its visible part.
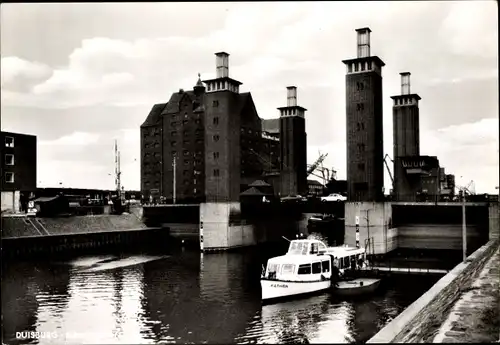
(250, 172)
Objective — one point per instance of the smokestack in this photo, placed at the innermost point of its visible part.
(291, 96)
(222, 65)
(405, 83)
(363, 42)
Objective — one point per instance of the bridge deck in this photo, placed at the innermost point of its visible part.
(439, 203)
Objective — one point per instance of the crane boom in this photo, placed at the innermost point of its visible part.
(388, 170)
(316, 163)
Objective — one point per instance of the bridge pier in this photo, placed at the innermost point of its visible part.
(375, 222)
(223, 227)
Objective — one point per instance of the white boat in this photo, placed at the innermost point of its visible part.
(305, 268)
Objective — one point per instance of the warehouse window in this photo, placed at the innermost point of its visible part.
(9, 142)
(216, 137)
(216, 172)
(216, 155)
(215, 103)
(216, 120)
(9, 159)
(9, 177)
(369, 65)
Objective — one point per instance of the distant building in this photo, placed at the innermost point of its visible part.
(19, 155)
(364, 122)
(315, 188)
(210, 143)
(406, 140)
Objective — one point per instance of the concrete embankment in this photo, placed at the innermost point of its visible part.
(27, 237)
(438, 311)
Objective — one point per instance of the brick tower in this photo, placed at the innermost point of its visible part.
(406, 140)
(293, 146)
(365, 174)
(222, 135)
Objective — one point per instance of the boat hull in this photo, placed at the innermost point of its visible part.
(275, 289)
(356, 287)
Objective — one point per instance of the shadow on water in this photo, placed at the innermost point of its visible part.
(184, 296)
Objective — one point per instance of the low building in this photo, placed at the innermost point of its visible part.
(19, 155)
(315, 188)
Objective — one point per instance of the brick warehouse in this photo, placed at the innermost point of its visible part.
(216, 141)
(19, 155)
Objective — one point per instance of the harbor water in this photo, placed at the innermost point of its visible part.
(182, 296)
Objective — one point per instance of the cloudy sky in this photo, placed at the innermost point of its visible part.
(80, 75)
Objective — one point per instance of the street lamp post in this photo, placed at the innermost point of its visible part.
(464, 227)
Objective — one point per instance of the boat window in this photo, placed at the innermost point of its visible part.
(297, 248)
(326, 266)
(322, 246)
(287, 268)
(314, 248)
(272, 268)
(316, 267)
(345, 262)
(304, 269)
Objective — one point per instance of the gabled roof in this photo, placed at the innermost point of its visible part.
(259, 183)
(253, 192)
(154, 116)
(173, 104)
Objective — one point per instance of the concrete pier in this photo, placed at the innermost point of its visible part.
(375, 222)
(220, 232)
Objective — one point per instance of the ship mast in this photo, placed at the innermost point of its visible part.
(117, 169)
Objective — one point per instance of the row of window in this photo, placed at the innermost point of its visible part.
(186, 142)
(359, 66)
(197, 132)
(314, 268)
(401, 101)
(9, 159)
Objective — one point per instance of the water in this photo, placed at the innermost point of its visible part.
(182, 297)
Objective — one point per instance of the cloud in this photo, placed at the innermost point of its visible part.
(87, 160)
(21, 75)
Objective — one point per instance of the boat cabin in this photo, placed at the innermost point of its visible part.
(302, 262)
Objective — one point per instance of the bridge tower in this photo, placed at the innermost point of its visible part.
(406, 139)
(293, 146)
(364, 123)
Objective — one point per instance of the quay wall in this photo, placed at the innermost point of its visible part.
(494, 224)
(421, 321)
(39, 246)
(21, 226)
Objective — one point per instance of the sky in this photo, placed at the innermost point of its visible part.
(79, 76)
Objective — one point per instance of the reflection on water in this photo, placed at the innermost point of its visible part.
(184, 298)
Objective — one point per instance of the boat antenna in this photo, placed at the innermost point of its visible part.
(286, 238)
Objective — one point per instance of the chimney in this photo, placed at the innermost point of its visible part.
(222, 65)
(291, 96)
(363, 42)
(405, 83)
